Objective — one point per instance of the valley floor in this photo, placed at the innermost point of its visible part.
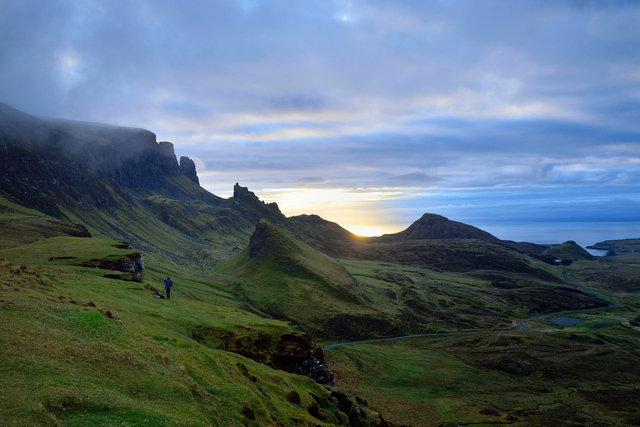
(587, 374)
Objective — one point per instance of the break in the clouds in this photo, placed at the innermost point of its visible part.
(393, 107)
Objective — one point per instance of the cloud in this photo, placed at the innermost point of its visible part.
(415, 178)
(454, 96)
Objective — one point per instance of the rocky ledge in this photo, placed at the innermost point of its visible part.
(290, 352)
(130, 265)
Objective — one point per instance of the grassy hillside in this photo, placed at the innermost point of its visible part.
(79, 349)
(577, 377)
(86, 338)
(283, 277)
(279, 275)
(618, 246)
(561, 375)
(568, 250)
(20, 225)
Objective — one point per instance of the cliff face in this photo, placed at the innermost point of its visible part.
(250, 205)
(188, 169)
(45, 162)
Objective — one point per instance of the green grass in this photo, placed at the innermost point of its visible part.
(289, 279)
(460, 380)
(549, 375)
(79, 349)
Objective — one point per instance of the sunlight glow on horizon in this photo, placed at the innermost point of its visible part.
(356, 210)
(367, 230)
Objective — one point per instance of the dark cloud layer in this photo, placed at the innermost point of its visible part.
(399, 97)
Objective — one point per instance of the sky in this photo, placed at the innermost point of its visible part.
(517, 116)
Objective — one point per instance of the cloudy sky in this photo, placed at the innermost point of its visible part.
(369, 113)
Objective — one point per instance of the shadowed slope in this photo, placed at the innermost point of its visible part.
(288, 279)
(119, 182)
(432, 226)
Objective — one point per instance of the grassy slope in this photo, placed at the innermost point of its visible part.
(620, 246)
(578, 377)
(337, 300)
(289, 279)
(159, 223)
(583, 374)
(385, 301)
(20, 225)
(568, 250)
(78, 348)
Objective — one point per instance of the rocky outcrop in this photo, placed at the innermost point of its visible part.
(188, 169)
(357, 410)
(290, 352)
(132, 265)
(251, 206)
(313, 368)
(45, 164)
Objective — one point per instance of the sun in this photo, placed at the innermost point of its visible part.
(366, 230)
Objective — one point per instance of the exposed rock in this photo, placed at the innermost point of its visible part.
(288, 352)
(293, 397)
(132, 264)
(248, 203)
(47, 163)
(167, 157)
(314, 369)
(188, 169)
(248, 412)
(359, 415)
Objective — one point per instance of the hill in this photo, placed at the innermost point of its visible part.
(121, 183)
(618, 246)
(83, 345)
(432, 226)
(288, 279)
(280, 276)
(569, 250)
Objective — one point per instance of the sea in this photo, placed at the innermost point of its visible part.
(583, 233)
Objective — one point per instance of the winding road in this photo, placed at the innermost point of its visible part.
(520, 323)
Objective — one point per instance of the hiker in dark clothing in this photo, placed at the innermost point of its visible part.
(167, 286)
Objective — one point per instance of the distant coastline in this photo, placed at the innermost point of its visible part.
(583, 233)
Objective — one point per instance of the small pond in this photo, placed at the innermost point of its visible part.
(566, 321)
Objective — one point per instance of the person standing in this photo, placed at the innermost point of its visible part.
(167, 286)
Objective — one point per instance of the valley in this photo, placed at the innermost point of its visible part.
(87, 238)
